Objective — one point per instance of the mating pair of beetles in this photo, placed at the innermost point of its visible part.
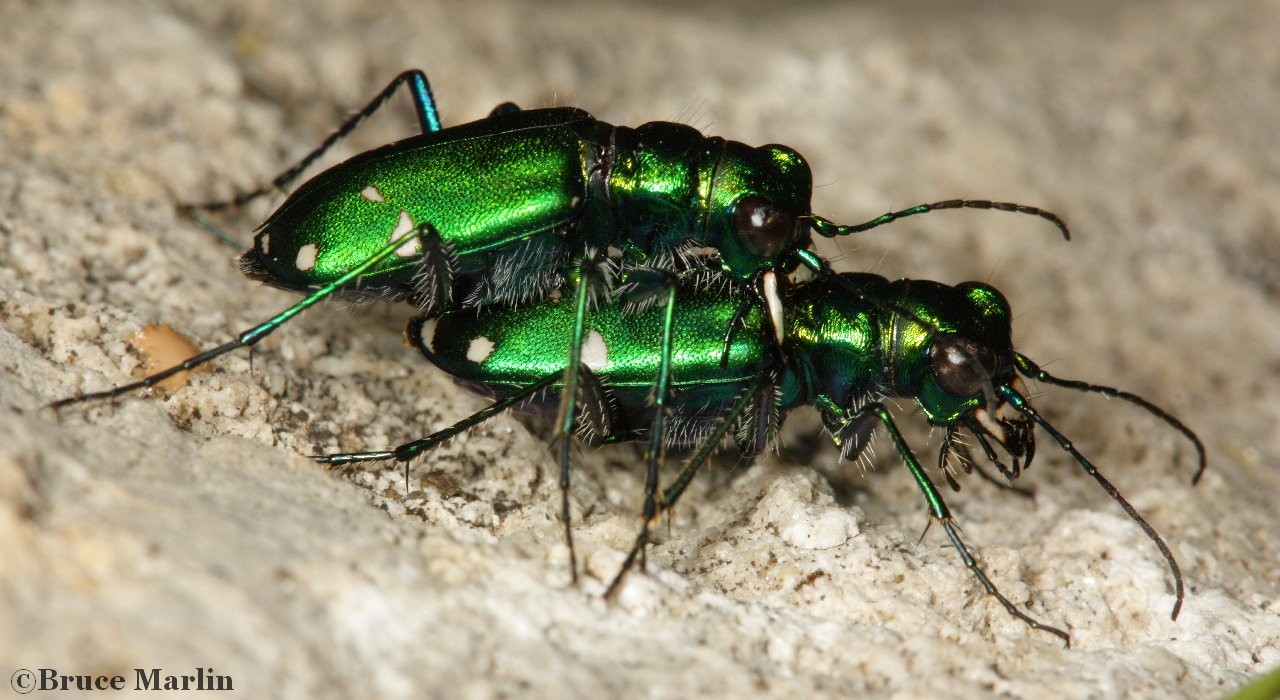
(642, 282)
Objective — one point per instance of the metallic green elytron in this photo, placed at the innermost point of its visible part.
(507, 205)
(515, 197)
(851, 341)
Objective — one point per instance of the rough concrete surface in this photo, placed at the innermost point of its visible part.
(189, 532)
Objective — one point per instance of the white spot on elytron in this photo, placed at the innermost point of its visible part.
(427, 334)
(595, 354)
(306, 257)
(404, 227)
(265, 244)
(480, 349)
(372, 194)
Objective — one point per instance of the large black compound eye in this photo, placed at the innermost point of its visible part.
(961, 366)
(763, 228)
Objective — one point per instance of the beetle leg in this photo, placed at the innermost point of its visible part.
(252, 336)
(938, 511)
(424, 108)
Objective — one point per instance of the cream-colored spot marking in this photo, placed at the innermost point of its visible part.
(480, 349)
(595, 354)
(265, 244)
(411, 247)
(306, 257)
(427, 334)
(372, 194)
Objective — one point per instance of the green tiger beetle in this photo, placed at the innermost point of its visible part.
(947, 347)
(523, 203)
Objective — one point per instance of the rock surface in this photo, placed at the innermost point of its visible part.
(188, 531)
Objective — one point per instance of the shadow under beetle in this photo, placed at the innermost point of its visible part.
(946, 347)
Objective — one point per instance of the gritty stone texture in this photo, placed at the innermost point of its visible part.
(188, 531)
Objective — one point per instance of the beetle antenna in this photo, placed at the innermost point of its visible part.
(1033, 371)
(1019, 402)
(830, 229)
